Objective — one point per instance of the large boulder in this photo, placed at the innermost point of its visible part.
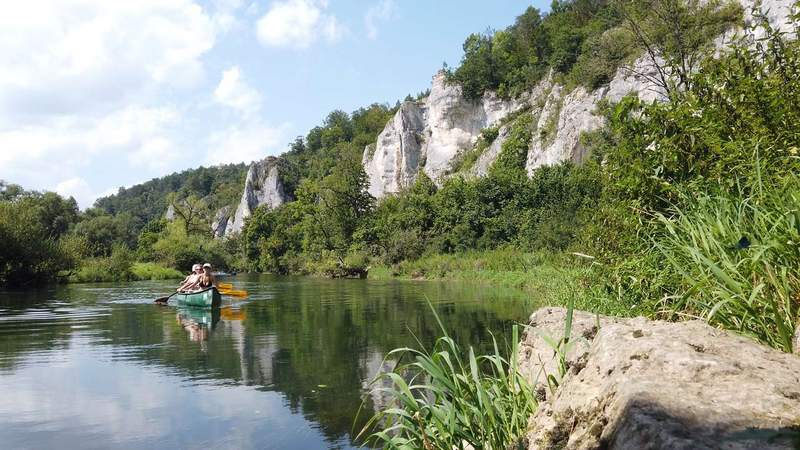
(642, 384)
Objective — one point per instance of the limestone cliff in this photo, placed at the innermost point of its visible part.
(263, 186)
(429, 135)
(222, 219)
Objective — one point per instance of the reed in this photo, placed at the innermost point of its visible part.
(738, 257)
(446, 398)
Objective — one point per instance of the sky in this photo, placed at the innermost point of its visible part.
(99, 94)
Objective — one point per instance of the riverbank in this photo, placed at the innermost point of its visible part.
(103, 269)
(551, 279)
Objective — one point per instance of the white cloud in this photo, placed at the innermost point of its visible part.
(380, 12)
(155, 153)
(234, 92)
(246, 142)
(64, 146)
(83, 84)
(93, 55)
(297, 24)
(77, 188)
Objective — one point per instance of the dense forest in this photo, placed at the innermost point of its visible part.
(219, 186)
(685, 207)
(124, 236)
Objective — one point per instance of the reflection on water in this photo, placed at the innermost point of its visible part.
(199, 322)
(100, 366)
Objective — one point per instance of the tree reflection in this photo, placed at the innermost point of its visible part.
(318, 342)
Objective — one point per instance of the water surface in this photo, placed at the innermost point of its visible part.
(100, 366)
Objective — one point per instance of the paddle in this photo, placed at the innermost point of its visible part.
(224, 285)
(163, 300)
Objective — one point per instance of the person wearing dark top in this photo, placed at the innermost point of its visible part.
(206, 278)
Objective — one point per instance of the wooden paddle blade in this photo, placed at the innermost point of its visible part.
(224, 285)
(161, 300)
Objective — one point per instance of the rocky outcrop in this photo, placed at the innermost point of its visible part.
(223, 218)
(454, 123)
(641, 384)
(263, 186)
(428, 135)
(485, 160)
(170, 213)
(394, 161)
(566, 116)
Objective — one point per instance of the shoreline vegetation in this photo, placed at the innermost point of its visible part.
(548, 279)
(102, 270)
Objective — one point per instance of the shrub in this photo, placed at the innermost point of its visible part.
(154, 271)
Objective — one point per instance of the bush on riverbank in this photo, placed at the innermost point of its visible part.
(120, 266)
(34, 248)
(154, 271)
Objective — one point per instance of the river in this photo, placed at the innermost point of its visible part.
(99, 366)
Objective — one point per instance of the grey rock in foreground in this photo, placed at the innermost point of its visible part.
(641, 384)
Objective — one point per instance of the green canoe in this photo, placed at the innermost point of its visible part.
(207, 298)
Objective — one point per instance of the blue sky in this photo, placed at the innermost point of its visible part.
(95, 95)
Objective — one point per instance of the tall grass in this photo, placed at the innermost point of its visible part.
(442, 399)
(738, 257)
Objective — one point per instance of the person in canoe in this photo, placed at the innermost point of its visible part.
(206, 279)
(190, 283)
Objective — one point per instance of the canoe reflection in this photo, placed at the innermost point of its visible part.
(201, 322)
(198, 322)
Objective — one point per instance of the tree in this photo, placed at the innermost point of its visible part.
(476, 73)
(675, 35)
(193, 212)
(30, 250)
(343, 201)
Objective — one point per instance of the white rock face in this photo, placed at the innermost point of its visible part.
(485, 160)
(428, 135)
(557, 137)
(223, 217)
(393, 162)
(170, 213)
(262, 187)
(454, 123)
